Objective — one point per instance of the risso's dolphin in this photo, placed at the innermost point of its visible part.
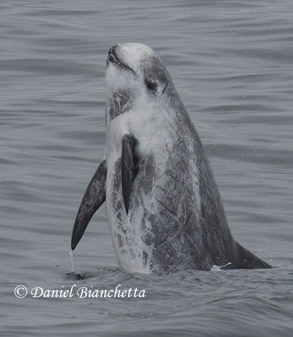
(164, 208)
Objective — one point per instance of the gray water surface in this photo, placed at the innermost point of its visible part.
(231, 62)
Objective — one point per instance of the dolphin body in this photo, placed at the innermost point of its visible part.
(164, 208)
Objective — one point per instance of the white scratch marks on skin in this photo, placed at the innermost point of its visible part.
(153, 232)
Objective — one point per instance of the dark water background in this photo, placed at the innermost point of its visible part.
(231, 62)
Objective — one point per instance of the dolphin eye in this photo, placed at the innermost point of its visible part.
(151, 85)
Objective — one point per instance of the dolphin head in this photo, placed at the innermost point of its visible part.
(134, 71)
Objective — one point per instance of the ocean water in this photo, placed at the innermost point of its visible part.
(231, 62)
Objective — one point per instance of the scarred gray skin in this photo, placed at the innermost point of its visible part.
(164, 208)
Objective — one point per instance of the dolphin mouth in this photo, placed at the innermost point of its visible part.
(114, 59)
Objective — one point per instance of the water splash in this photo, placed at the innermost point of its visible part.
(72, 274)
(71, 261)
(219, 268)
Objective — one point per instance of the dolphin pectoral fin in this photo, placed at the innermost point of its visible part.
(247, 260)
(129, 167)
(93, 198)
